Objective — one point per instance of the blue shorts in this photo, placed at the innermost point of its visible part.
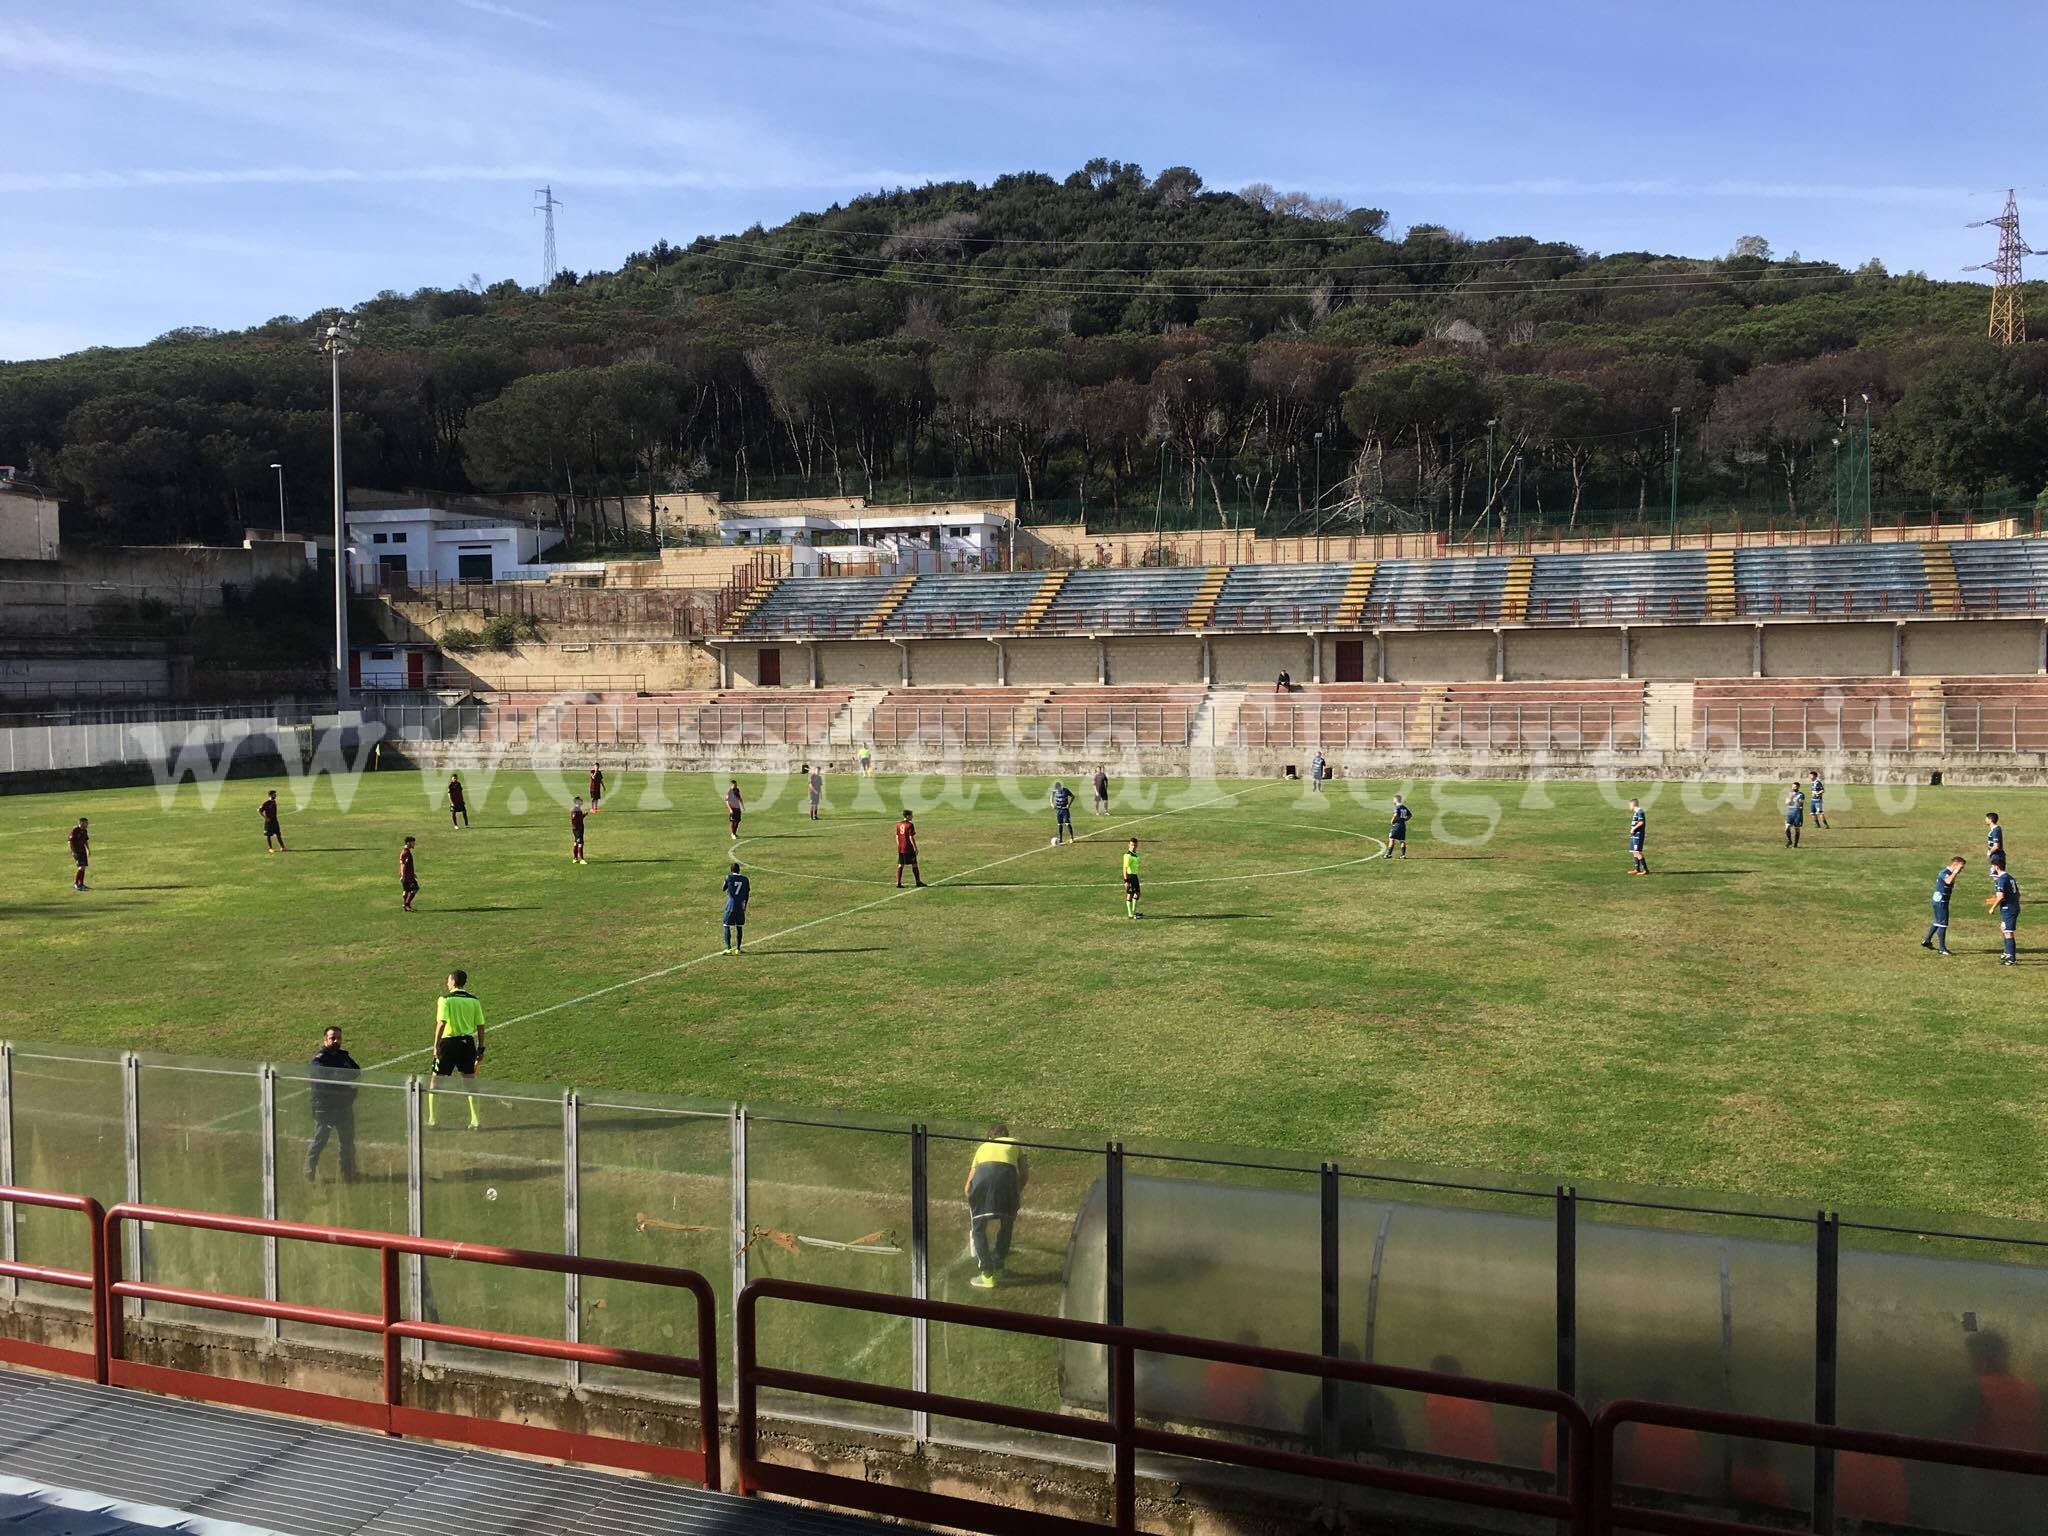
(1940, 914)
(1635, 844)
(2008, 918)
(1793, 821)
(1066, 816)
(1813, 805)
(735, 917)
(1398, 834)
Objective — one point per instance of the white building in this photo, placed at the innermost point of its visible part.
(28, 519)
(427, 544)
(905, 539)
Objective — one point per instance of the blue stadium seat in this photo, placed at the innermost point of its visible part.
(818, 605)
(1437, 591)
(2001, 573)
(1658, 584)
(1831, 579)
(1280, 596)
(1124, 601)
(943, 605)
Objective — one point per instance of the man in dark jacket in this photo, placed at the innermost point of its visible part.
(333, 1095)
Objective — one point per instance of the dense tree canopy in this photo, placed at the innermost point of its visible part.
(1108, 338)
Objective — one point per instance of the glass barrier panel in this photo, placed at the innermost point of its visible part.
(830, 1204)
(201, 1149)
(1223, 1252)
(341, 1162)
(491, 1172)
(1020, 1227)
(1944, 1336)
(1457, 1280)
(69, 1138)
(1710, 1308)
(654, 1185)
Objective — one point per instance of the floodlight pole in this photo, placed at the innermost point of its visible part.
(1674, 477)
(1869, 513)
(280, 499)
(338, 340)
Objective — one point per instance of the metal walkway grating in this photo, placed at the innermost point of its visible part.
(301, 1479)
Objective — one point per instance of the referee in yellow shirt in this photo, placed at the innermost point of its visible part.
(995, 1189)
(458, 1039)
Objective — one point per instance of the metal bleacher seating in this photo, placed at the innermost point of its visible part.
(1124, 601)
(943, 605)
(818, 605)
(1831, 579)
(1280, 596)
(1653, 585)
(1438, 591)
(2001, 573)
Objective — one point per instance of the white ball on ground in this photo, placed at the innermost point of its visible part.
(490, 1194)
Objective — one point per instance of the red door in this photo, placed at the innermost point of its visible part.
(355, 669)
(1350, 661)
(415, 669)
(768, 667)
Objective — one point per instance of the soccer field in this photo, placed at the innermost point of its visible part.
(1748, 1018)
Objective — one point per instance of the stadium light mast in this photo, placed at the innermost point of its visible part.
(1869, 515)
(1674, 477)
(280, 498)
(1319, 495)
(339, 338)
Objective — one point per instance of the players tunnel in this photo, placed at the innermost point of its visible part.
(1714, 1309)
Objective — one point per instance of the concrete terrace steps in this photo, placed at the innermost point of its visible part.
(1041, 603)
(1944, 591)
(891, 601)
(1357, 590)
(1203, 609)
(748, 604)
(1721, 583)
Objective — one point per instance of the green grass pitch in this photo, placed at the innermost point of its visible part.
(1749, 1018)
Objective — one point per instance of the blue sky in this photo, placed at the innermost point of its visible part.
(217, 162)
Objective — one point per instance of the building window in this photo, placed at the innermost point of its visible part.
(379, 538)
(398, 538)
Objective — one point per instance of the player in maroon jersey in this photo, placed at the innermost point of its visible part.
(596, 787)
(576, 832)
(408, 874)
(79, 840)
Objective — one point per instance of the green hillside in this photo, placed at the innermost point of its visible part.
(1111, 338)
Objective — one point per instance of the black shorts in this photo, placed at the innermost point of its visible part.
(1130, 885)
(905, 860)
(272, 829)
(453, 1054)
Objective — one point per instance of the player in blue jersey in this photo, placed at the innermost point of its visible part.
(1795, 815)
(1062, 812)
(1397, 829)
(1638, 825)
(2005, 900)
(739, 890)
(1814, 791)
(1944, 887)
(1318, 770)
(1994, 836)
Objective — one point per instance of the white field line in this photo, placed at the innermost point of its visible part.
(830, 917)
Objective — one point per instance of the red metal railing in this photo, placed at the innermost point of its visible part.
(391, 1415)
(88, 1365)
(1120, 1431)
(1615, 1516)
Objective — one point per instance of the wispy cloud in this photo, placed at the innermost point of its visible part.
(509, 13)
(561, 176)
(1662, 187)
